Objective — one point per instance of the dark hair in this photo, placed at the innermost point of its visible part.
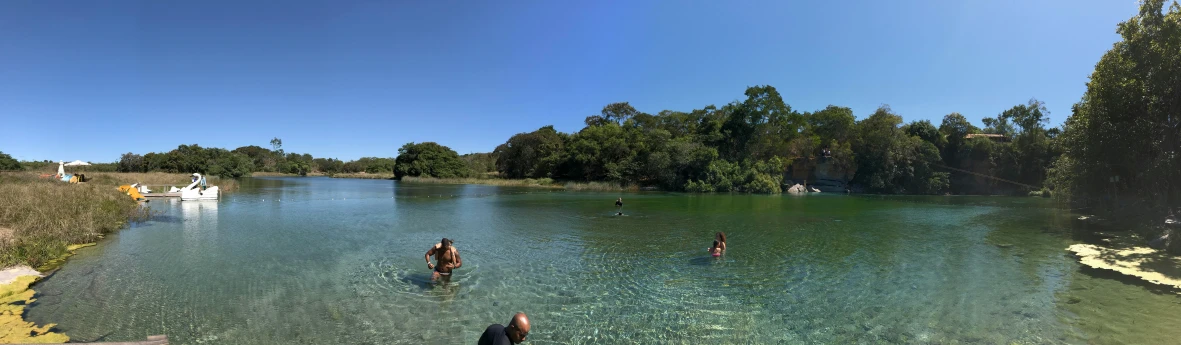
(721, 236)
(446, 241)
(715, 244)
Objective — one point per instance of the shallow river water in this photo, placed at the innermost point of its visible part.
(340, 261)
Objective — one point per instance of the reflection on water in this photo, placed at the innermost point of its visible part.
(318, 260)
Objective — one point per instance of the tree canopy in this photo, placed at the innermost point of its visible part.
(429, 159)
(1122, 139)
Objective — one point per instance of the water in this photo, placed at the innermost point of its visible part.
(340, 261)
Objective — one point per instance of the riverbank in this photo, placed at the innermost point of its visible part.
(43, 221)
(529, 183)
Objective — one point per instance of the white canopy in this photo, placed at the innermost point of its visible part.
(76, 163)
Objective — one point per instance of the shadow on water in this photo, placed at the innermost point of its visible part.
(421, 280)
(166, 218)
(1128, 280)
(705, 260)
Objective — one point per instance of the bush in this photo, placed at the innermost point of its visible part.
(695, 186)
(763, 184)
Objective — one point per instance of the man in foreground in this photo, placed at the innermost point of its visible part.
(515, 333)
(446, 259)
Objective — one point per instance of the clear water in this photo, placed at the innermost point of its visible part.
(340, 261)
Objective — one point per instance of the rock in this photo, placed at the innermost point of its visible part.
(1073, 300)
(797, 189)
(814, 190)
(10, 274)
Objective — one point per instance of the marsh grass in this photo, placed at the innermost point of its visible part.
(45, 216)
(532, 183)
(373, 176)
(41, 217)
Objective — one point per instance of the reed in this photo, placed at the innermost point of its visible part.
(531, 183)
(373, 176)
(42, 217)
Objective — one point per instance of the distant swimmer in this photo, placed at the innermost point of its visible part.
(514, 333)
(619, 206)
(446, 259)
(721, 238)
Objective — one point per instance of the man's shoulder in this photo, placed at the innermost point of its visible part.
(492, 335)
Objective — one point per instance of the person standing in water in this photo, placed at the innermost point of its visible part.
(619, 206)
(721, 238)
(715, 249)
(446, 259)
(515, 333)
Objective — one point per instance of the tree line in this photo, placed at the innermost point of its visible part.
(754, 145)
(246, 160)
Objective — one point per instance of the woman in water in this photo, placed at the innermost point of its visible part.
(716, 249)
(720, 237)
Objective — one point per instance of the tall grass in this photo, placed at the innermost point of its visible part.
(532, 183)
(40, 217)
(44, 216)
(539, 183)
(158, 181)
(600, 186)
(373, 176)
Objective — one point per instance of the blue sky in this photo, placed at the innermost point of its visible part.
(91, 80)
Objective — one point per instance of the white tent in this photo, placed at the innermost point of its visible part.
(76, 163)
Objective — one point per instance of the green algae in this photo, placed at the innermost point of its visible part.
(14, 297)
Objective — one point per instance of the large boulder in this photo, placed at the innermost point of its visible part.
(797, 189)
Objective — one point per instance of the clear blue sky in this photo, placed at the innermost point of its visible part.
(91, 80)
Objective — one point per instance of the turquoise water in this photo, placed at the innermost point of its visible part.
(340, 261)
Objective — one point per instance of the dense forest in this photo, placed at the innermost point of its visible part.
(1120, 143)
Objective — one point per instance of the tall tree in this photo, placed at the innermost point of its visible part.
(1128, 123)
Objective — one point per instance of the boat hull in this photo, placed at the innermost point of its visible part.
(196, 194)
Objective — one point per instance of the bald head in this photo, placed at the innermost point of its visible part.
(518, 328)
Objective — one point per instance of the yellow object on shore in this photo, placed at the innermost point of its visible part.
(131, 191)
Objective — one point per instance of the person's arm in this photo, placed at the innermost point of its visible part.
(429, 252)
(458, 260)
(723, 246)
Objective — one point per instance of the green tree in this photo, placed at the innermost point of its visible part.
(1128, 123)
(832, 123)
(428, 159)
(535, 154)
(131, 162)
(8, 163)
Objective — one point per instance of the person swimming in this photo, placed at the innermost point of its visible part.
(716, 249)
(721, 238)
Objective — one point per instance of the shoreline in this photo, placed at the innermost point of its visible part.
(16, 294)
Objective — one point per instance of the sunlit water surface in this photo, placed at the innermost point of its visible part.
(340, 261)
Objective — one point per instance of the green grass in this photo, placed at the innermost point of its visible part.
(531, 183)
(40, 217)
(373, 176)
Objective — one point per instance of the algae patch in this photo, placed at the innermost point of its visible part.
(14, 297)
(55, 263)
